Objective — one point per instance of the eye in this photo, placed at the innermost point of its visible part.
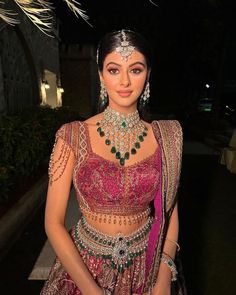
(113, 71)
(136, 70)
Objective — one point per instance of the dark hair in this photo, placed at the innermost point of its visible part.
(109, 43)
(112, 40)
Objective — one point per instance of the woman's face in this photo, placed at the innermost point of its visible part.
(124, 80)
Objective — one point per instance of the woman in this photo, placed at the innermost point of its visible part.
(122, 167)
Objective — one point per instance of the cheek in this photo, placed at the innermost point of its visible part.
(110, 83)
(140, 83)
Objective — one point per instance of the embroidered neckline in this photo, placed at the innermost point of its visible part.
(112, 162)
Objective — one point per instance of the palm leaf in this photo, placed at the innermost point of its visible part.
(6, 15)
(153, 3)
(38, 12)
(73, 5)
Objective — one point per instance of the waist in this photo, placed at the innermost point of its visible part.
(121, 249)
(112, 223)
(112, 217)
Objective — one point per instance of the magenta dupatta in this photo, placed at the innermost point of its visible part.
(168, 134)
(155, 230)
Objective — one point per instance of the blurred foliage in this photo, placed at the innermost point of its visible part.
(26, 141)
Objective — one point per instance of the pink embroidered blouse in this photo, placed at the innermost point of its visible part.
(103, 185)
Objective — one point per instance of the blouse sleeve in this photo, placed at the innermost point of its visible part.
(66, 142)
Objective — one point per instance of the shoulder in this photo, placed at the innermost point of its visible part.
(93, 120)
(70, 127)
(169, 132)
(168, 127)
(72, 124)
(69, 133)
(167, 123)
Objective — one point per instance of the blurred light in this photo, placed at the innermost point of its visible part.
(207, 86)
(46, 85)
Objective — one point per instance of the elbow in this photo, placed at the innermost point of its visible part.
(51, 228)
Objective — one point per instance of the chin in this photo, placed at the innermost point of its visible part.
(124, 102)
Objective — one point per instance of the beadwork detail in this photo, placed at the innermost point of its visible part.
(121, 132)
(125, 49)
(57, 166)
(121, 249)
(116, 219)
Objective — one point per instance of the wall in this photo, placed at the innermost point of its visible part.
(25, 54)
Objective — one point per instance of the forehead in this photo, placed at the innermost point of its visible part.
(115, 57)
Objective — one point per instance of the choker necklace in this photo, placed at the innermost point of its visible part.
(124, 133)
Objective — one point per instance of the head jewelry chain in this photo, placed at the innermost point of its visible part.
(124, 49)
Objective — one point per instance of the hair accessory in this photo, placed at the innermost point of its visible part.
(174, 242)
(123, 132)
(165, 258)
(125, 50)
(146, 94)
(103, 94)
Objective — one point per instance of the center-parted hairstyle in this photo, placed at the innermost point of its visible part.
(111, 41)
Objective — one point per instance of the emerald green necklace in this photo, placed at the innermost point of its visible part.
(124, 133)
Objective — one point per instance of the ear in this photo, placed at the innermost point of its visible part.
(148, 74)
(100, 76)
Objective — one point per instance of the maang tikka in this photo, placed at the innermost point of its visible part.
(125, 50)
(146, 94)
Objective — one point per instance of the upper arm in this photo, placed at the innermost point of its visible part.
(61, 166)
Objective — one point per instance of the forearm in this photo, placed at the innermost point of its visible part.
(71, 259)
(164, 274)
(172, 234)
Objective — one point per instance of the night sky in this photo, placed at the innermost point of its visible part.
(106, 16)
(193, 40)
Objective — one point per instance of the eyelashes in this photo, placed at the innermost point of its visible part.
(114, 71)
(137, 71)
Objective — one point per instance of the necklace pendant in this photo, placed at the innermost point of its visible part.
(133, 151)
(118, 155)
(126, 155)
(123, 133)
(123, 124)
(122, 161)
(141, 138)
(113, 150)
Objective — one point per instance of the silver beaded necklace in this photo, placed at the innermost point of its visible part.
(124, 133)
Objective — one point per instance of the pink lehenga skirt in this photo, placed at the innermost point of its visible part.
(116, 263)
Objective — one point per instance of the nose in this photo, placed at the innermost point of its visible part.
(125, 79)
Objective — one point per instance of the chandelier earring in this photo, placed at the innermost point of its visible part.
(103, 94)
(146, 94)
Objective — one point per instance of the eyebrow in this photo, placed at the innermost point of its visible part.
(135, 63)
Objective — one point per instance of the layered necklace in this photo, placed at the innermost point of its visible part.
(124, 133)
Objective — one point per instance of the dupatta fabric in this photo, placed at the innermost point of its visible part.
(168, 134)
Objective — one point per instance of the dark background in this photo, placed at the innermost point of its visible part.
(193, 43)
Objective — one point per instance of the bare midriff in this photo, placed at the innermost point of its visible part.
(113, 229)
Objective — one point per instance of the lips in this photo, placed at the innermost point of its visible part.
(124, 93)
